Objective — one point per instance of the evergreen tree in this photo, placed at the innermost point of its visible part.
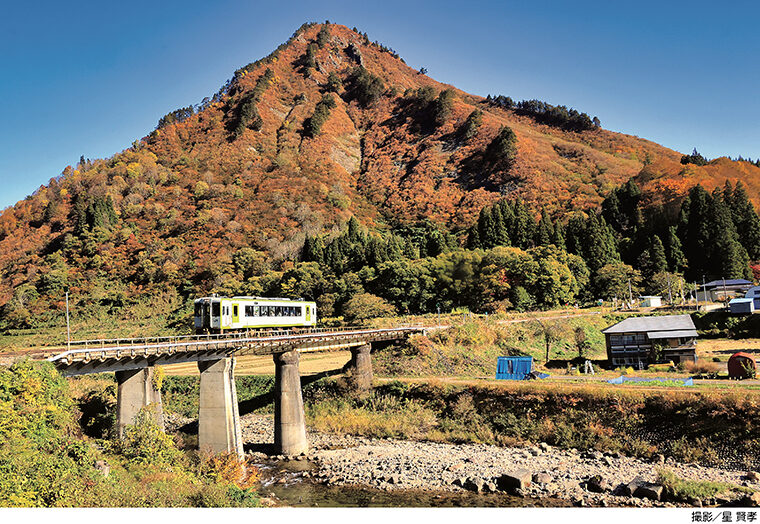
(473, 238)
(472, 124)
(487, 229)
(354, 229)
(500, 227)
(656, 260)
(694, 223)
(674, 252)
(524, 226)
(502, 150)
(745, 219)
(558, 236)
(727, 257)
(598, 244)
(545, 230)
(313, 250)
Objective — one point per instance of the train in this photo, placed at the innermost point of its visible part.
(225, 314)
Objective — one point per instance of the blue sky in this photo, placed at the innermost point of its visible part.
(88, 78)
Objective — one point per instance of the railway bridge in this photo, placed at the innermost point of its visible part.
(133, 362)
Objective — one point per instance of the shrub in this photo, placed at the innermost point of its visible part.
(314, 124)
(323, 36)
(702, 368)
(365, 306)
(683, 490)
(472, 124)
(366, 87)
(145, 442)
(334, 83)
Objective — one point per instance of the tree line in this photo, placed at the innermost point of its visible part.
(545, 113)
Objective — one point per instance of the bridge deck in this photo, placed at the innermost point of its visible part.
(95, 356)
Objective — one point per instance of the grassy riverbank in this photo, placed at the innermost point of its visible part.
(710, 428)
(716, 429)
(53, 451)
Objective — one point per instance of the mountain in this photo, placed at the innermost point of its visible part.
(327, 127)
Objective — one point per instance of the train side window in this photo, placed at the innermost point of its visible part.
(255, 311)
(234, 311)
(298, 311)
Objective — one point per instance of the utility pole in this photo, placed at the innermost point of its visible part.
(630, 294)
(725, 294)
(670, 295)
(704, 291)
(68, 329)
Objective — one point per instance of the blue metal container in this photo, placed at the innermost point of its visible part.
(513, 368)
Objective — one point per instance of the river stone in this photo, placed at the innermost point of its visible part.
(597, 484)
(607, 461)
(752, 476)
(544, 446)
(542, 478)
(519, 479)
(627, 490)
(647, 490)
(474, 484)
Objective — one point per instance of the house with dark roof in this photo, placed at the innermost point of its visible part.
(640, 341)
(723, 290)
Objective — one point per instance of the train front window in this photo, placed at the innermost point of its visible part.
(215, 309)
(198, 309)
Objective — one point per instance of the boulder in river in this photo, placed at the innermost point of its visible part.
(474, 484)
(642, 489)
(597, 484)
(542, 478)
(518, 479)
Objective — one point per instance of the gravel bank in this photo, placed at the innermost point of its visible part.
(399, 464)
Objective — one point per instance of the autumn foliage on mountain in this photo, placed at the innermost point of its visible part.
(328, 127)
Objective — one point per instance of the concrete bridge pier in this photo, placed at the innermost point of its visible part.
(218, 416)
(360, 368)
(135, 390)
(289, 419)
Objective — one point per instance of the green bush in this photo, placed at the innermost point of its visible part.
(314, 124)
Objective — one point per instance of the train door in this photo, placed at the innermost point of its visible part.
(235, 313)
(308, 313)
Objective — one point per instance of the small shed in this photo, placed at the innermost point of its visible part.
(651, 301)
(742, 306)
(754, 294)
(741, 365)
(513, 368)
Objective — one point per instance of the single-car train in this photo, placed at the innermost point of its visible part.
(224, 314)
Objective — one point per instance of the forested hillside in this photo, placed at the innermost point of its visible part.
(332, 170)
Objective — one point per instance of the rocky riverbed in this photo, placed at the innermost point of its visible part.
(584, 478)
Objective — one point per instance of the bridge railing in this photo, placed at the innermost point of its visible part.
(242, 336)
(270, 339)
